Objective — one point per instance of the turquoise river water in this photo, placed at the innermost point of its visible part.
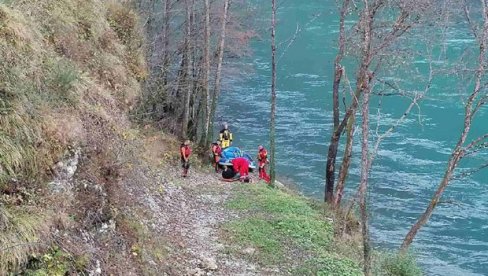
(410, 162)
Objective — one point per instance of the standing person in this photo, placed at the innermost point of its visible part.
(241, 165)
(185, 152)
(262, 161)
(216, 151)
(225, 136)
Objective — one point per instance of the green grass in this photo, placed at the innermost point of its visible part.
(261, 235)
(292, 232)
(264, 199)
(284, 229)
(329, 265)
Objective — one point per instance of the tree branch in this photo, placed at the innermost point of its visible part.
(469, 172)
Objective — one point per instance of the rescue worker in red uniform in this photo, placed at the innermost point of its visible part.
(185, 152)
(241, 166)
(262, 162)
(216, 152)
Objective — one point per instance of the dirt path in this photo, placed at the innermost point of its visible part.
(187, 214)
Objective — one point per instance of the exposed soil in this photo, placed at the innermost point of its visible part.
(187, 214)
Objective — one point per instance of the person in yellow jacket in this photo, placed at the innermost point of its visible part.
(225, 137)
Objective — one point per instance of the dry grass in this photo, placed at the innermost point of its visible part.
(20, 237)
(70, 71)
(56, 63)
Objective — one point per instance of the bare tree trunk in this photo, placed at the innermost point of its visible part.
(165, 38)
(273, 95)
(206, 75)
(334, 144)
(363, 187)
(346, 161)
(460, 149)
(220, 58)
(188, 63)
(364, 83)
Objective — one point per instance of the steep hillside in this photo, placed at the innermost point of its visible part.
(69, 75)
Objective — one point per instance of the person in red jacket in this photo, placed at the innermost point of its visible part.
(262, 162)
(216, 151)
(185, 152)
(241, 166)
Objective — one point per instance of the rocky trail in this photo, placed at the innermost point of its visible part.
(187, 214)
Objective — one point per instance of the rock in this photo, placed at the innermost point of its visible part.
(209, 264)
(196, 271)
(249, 251)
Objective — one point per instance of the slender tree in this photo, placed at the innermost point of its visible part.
(475, 101)
(220, 58)
(206, 75)
(382, 38)
(366, 26)
(273, 94)
(165, 43)
(338, 71)
(188, 70)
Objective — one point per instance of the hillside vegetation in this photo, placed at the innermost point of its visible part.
(69, 74)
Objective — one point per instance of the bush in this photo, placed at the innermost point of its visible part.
(399, 265)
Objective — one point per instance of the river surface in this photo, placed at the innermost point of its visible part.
(410, 162)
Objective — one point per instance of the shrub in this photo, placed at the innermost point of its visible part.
(399, 265)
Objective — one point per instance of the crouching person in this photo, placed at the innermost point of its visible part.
(241, 166)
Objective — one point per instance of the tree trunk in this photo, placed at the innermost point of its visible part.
(273, 95)
(188, 63)
(330, 170)
(335, 137)
(206, 75)
(459, 150)
(364, 84)
(165, 38)
(218, 73)
(334, 145)
(363, 188)
(346, 161)
(337, 63)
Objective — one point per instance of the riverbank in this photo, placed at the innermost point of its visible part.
(163, 224)
(210, 227)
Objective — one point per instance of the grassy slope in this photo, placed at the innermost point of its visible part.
(69, 73)
(280, 229)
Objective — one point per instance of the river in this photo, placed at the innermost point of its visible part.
(410, 162)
